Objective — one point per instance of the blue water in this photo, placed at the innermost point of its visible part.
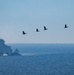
(31, 49)
(39, 59)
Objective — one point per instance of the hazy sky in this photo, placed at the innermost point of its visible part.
(27, 15)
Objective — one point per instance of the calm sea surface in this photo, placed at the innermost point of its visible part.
(39, 59)
(33, 49)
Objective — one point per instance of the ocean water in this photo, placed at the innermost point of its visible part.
(39, 59)
(35, 49)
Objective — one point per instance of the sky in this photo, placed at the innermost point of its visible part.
(27, 15)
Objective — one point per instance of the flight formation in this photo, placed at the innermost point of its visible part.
(45, 28)
(66, 26)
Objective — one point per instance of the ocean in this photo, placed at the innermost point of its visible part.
(39, 59)
(36, 49)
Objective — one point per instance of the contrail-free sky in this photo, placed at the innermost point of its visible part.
(27, 15)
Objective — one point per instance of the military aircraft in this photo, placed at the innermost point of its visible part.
(24, 33)
(45, 28)
(37, 30)
(65, 26)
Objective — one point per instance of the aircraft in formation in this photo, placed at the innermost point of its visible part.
(45, 28)
(24, 33)
(65, 26)
(37, 30)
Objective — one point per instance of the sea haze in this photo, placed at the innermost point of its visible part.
(37, 49)
(39, 59)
